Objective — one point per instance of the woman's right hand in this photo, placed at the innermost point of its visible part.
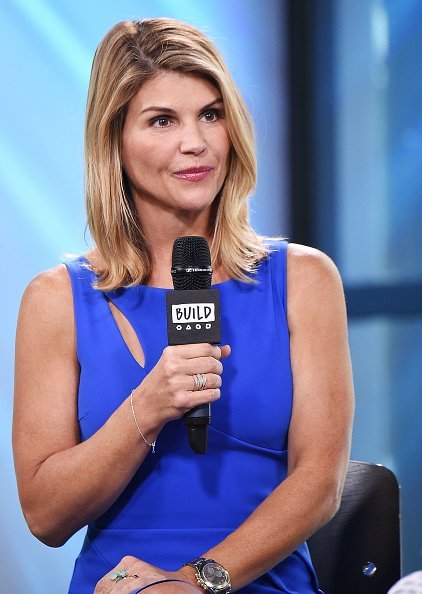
(168, 391)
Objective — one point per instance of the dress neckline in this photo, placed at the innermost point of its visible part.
(213, 286)
(160, 289)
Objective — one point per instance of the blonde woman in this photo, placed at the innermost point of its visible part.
(169, 152)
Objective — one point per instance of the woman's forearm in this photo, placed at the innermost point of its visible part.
(75, 486)
(285, 519)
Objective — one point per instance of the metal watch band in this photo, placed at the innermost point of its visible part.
(198, 564)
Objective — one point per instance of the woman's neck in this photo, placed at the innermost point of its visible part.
(161, 227)
(162, 261)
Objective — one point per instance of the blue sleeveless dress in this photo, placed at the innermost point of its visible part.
(179, 504)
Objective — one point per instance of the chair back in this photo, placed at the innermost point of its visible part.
(358, 551)
(411, 584)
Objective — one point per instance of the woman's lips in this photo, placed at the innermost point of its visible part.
(193, 175)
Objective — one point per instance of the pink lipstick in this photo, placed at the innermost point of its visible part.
(194, 173)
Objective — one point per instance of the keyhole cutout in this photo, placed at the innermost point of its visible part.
(128, 334)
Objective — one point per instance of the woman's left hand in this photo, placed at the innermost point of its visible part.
(139, 574)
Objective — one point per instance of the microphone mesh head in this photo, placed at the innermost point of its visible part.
(191, 263)
(411, 584)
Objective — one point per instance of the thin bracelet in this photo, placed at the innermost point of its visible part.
(150, 445)
(160, 582)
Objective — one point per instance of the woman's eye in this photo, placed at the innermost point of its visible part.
(212, 115)
(160, 122)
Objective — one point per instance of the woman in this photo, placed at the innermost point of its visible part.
(169, 152)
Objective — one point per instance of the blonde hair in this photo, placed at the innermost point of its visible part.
(131, 53)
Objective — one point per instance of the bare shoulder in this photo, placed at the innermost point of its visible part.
(48, 298)
(50, 285)
(304, 261)
(313, 281)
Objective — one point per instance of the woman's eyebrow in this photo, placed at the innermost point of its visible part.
(172, 111)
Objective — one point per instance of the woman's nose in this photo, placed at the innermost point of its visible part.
(192, 140)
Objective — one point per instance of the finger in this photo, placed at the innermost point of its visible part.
(212, 381)
(113, 580)
(204, 397)
(191, 399)
(191, 351)
(201, 365)
(129, 584)
(106, 583)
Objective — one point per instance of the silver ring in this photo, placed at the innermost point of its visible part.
(200, 381)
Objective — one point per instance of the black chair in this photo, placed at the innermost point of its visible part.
(358, 551)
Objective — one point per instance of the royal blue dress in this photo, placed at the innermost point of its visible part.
(180, 504)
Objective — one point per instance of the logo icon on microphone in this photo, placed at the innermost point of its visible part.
(188, 316)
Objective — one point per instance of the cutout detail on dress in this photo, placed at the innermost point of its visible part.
(128, 334)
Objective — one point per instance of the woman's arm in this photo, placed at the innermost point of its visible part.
(64, 484)
(320, 429)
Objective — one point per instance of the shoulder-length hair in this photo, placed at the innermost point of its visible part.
(131, 53)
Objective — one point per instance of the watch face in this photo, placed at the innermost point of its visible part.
(214, 575)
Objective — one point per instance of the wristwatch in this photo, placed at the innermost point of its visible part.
(211, 576)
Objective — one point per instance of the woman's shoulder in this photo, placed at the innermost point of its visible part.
(47, 305)
(313, 280)
(51, 283)
(307, 263)
(52, 288)
(54, 285)
(303, 259)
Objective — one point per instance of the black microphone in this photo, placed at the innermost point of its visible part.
(193, 316)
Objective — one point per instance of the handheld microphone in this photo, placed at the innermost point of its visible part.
(193, 316)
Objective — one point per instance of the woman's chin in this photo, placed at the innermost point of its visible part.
(193, 205)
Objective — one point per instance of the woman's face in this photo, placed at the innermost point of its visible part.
(175, 123)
